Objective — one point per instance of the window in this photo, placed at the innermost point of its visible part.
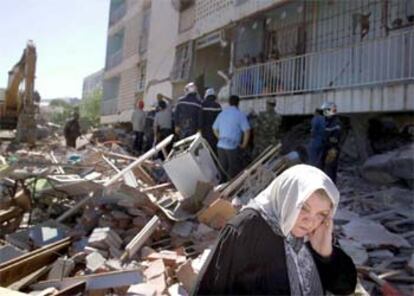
(182, 64)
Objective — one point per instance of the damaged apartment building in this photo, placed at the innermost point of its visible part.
(358, 54)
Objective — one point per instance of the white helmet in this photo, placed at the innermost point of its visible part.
(328, 108)
(209, 92)
(190, 88)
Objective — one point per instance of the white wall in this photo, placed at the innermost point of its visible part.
(161, 49)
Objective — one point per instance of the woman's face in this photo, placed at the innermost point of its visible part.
(314, 211)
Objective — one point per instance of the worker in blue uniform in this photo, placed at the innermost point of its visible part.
(188, 112)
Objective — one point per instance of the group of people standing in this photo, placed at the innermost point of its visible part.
(228, 132)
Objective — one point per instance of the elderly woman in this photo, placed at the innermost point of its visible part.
(281, 243)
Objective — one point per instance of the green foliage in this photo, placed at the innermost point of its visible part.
(64, 111)
(90, 109)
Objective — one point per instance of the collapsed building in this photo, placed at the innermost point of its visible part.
(98, 221)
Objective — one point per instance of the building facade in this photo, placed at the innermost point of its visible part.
(359, 54)
(92, 83)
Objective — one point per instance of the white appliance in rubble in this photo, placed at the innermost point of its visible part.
(190, 161)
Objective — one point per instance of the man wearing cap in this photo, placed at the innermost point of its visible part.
(71, 130)
(138, 124)
(266, 131)
(187, 115)
(210, 111)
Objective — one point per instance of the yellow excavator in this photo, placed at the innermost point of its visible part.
(20, 105)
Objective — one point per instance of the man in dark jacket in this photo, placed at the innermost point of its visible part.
(187, 115)
(71, 130)
(331, 150)
(210, 110)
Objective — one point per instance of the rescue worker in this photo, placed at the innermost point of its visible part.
(333, 130)
(187, 115)
(149, 128)
(267, 127)
(210, 111)
(316, 144)
(71, 130)
(138, 124)
(162, 122)
(232, 129)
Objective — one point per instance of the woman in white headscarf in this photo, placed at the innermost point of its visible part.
(282, 242)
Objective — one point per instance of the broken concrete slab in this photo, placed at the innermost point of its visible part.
(61, 268)
(355, 250)
(104, 280)
(187, 275)
(182, 229)
(381, 254)
(94, 261)
(155, 268)
(343, 216)
(159, 283)
(143, 289)
(8, 252)
(177, 290)
(371, 234)
(43, 234)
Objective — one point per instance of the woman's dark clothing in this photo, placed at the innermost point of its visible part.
(249, 258)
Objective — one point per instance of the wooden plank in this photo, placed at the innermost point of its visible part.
(138, 241)
(22, 268)
(157, 187)
(29, 279)
(10, 213)
(9, 292)
(34, 252)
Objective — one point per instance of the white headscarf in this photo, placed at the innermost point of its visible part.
(279, 205)
(282, 200)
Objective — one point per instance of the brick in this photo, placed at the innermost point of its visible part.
(154, 269)
(94, 261)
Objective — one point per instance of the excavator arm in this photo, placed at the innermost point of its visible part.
(18, 110)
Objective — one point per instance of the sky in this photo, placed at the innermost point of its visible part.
(70, 39)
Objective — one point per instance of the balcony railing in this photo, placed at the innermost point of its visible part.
(109, 107)
(114, 59)
(380, 61)
(117, 14)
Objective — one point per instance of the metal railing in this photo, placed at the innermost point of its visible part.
(114, 59)
(109, 107)
(390, 59)
(117, 14)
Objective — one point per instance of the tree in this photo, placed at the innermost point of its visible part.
(62, 112)
(90, 108)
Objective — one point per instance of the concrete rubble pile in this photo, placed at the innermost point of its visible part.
(98, 221)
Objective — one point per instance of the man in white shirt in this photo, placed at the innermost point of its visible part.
(138, 123)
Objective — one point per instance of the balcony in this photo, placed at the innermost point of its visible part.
(117, 13)
(376, 62)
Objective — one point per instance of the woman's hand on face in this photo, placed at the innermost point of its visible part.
(321, 238)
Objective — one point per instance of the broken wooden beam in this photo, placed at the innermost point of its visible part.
(28, 263)
(162, 186)
(138, 241)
